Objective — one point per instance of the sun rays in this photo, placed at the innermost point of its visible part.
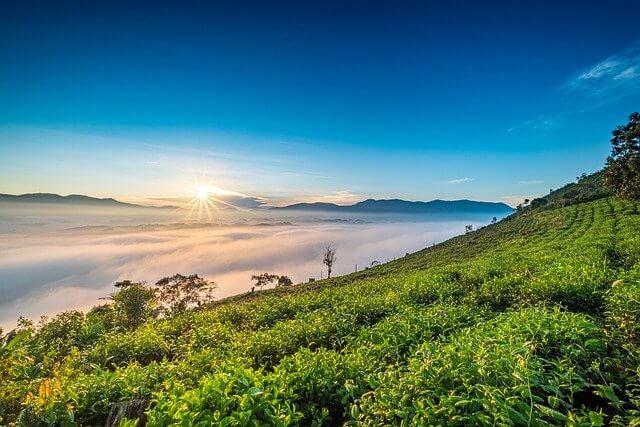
(206, 200)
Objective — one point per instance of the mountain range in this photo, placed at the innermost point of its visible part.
(404, 206)
(71, 199)
(396, 206)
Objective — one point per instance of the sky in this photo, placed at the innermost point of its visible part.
(330, 101)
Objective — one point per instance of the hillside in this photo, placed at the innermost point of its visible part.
(533, 320)
(398, 206)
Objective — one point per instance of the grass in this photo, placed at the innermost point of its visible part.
(530, 321)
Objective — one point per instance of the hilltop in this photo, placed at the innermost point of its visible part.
(71, 199)
(532, 320)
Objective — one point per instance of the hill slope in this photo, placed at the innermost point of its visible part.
(533, 320)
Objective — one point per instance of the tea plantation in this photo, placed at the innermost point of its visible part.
(534, 320)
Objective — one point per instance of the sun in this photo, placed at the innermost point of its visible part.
(202, 193)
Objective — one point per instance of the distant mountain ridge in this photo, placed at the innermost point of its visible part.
(404, 206)
(71, 199)
(395, 206)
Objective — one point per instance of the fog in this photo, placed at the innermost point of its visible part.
(48, 265)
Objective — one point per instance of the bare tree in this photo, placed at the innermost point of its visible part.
(328, 258)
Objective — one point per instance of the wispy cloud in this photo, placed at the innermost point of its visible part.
(340, 197)
(531, 182)
(460, 180)
(610, 79)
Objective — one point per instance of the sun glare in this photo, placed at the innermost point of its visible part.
(206, 199)
(202, 193)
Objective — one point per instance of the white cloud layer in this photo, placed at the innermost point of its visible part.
(48, 272)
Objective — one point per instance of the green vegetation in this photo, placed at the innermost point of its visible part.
(533, 320)
(622, 174)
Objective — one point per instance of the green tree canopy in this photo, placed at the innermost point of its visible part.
(622, 173)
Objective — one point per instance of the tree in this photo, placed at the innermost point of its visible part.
(133, 303)
(264, 279)
(468, 228)
(622, 172)
(328, 259)
(494, 220)
(179, 293)
(284, 281)
(539, 202)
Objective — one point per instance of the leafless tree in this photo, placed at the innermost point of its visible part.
(328, 258)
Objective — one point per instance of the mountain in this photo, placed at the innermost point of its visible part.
(72, 199)
(404, 207)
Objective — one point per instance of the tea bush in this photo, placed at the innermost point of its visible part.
(530, 321)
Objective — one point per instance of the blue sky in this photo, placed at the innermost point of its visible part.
(333, 101)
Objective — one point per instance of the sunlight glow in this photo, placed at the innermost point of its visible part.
(207, 198)
(202, 193)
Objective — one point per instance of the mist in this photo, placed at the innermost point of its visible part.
(48, 266)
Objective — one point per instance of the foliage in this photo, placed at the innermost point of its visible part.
(532, 320)
(178, 293)
(622, 174)
(284, 281)
(133, 304)
(264, 279)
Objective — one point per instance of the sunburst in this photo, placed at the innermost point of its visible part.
(206, 199)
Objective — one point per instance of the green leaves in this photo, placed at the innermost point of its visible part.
(532, 321)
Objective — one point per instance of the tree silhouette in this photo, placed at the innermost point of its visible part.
(328, 259)
(284, 281)
(264, 279)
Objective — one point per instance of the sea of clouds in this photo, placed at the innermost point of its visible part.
(43, 272)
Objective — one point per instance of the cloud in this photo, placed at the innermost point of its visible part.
(531, 182)
(610, 79)
(51, 271)
(460, 180)
(340, 197)
(229, 201)
(515, 200)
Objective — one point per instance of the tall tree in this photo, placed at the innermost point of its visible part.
(328, 259)
(622, 173)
